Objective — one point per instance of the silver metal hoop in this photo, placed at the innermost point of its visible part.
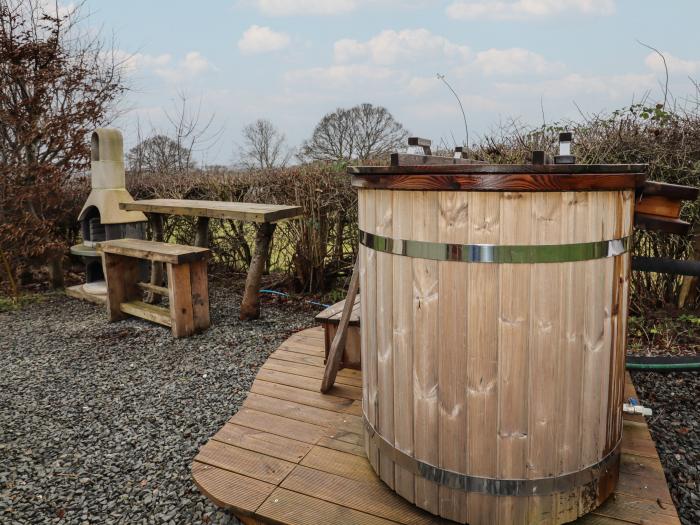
(493, 486)
(495, 253)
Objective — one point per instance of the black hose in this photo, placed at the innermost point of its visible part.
(659, 265)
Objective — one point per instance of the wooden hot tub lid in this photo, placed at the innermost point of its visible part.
(501, 177)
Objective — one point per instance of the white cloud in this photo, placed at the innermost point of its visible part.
(340, 75)
(192, 65)
(257, 39)
(390, 47)
(675, 64)
(614, 87)
(519, 9)
(132, 62)
(513, 61)
(418, 86)
(305, 7)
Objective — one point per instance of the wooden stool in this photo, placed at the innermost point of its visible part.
(330, 319)
(187, 290)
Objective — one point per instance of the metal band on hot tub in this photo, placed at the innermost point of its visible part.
(494, 486)
(495, 253)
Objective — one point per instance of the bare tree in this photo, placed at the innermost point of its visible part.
(58, 81)
(192, 131)
(264, 146)
(159, 154)
(361, 132)
(173, 151)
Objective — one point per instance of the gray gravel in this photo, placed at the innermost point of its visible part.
(675, 427)
(99, 422)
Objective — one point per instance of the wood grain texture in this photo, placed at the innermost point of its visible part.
(243, 211)
(368, 289)
(150, 312)
(180, 298)
(384, 333)
(483, 300)
(154, 251)
(496, 182)
(453, 289)
(494, 169)
(510, 349)
(403, 342)
(199, 284)
(513, 355)
(425, 349)
(268, 476)
(121, 276)
(645, 221)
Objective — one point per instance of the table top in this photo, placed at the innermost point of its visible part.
(244, 211)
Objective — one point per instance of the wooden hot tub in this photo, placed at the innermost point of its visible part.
(494, 312)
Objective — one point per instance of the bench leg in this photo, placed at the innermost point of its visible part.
(156, 267)
(122, 276)
(250, 306)
(180, 295)
(200, 295)
(201, 238)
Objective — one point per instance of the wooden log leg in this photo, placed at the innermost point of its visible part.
(121, 275)
(156, 220)
(200, 295)
(56, 271)
(180, 295)
(250, 306)
(201, 238)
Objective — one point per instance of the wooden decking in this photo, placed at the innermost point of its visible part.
(292, 455)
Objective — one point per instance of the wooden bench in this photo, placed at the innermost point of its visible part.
(329, 319)
(187, 289)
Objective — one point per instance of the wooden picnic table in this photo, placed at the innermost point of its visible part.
(266, 215)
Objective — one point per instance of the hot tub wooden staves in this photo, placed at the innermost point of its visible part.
(494, 308)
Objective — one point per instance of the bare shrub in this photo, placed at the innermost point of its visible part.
(669, 141)
(57, 80)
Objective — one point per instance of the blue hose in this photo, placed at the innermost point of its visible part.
(283, 294)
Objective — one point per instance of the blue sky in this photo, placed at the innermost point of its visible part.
(291, 61)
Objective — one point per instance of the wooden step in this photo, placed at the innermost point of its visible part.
(151, 312)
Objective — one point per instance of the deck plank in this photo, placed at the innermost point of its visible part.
(294, 456)
(313, 372)
(245, 462)
(278, 425)
(292, 410)
(306, 397)
(371, 497)
(228, 489)
(263, 442)
(292, 508)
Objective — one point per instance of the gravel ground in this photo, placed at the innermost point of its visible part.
(675, 427)
(99, 422)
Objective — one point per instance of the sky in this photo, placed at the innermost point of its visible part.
(292, 61)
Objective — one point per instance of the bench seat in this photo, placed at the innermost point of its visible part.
(164, 252)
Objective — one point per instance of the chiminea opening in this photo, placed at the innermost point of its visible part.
(95, 147)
